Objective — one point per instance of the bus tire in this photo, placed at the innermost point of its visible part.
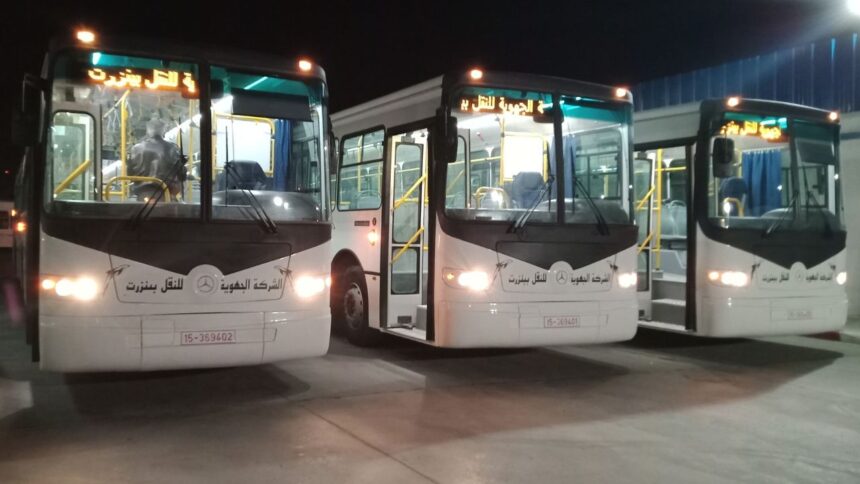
(350, 309)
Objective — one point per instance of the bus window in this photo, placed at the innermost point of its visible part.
(268, 141)
(360, 175)
(147, 139)
(72, 153)
(455, 183)
(508, 156)
(594, 148)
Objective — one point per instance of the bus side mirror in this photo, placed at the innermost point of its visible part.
(723, 154)
(25, 119)
(445, 139)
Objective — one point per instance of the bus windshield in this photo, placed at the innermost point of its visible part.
(784, 175)
(506, 158)
(126, 130)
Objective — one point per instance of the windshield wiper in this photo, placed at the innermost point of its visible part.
(775, 225)
(520, 222)
(150, 204)
(828, 229)
(602, 226)
(252, 201)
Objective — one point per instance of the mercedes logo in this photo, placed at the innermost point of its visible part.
(205, 284)
(561, 277)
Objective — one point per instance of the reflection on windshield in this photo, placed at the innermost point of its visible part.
(769, 186)
(268, 148)
(126, 131)
(506, 158)
(114, 142)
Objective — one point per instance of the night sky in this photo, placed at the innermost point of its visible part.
(370, 49)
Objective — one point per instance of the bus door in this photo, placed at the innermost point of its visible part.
(407, 305)
(663, 293)
(643, 186)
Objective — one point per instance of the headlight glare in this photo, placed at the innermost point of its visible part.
(729, 278)
(473, 280)
(627, 280)
(842, 278)
(82, 288)
(309, 286)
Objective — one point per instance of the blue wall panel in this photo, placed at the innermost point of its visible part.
(821, 74)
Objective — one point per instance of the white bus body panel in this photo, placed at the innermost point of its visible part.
(415, 103)
(107, 334)
(511, 313)
(665, 124)
(777, 301)
(349, 234)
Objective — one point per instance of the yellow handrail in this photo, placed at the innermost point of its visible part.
(659, 208)
(123, 142)
(645, 243)
(414, 186)
(106, 190)
(74, 174)
(647, 196)
(408, 244)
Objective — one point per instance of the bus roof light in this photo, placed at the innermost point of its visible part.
(476, 74)
(85, 36)
(621, 92)
(305, 65)
(833, 116)
(733, 101)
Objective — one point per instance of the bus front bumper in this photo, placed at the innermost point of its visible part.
(179, 341)
(750, 317)
(502, 325)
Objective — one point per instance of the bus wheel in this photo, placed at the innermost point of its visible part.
(352, 309)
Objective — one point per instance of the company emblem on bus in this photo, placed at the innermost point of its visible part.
(501, 105)
(155, 79)
(752, 128)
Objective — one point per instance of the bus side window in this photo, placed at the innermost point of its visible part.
(455, 185)
(72, 149)
(360, 173)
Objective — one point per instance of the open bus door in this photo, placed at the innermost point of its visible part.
(662, 212)
(408, 234)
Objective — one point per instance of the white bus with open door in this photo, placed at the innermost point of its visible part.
(739, 204)
(486, 210)
(172, 207)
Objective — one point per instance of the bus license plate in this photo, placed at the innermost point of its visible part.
(799, 314)
(561, 321)
(208, 337)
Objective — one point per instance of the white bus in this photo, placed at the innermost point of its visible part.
(486, 210)
(739, 204)
(171, 207)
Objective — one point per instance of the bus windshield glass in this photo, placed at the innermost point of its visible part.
(112, 139)
(125, 131)
(268, 147)
(506, 158)
(783, 174)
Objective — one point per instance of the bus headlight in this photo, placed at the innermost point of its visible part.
(729, 278)
(842, 278)
(627, 280)
(81, 288)
(309, 286)
(472, 280)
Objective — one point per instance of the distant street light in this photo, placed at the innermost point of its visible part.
(853, 6)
